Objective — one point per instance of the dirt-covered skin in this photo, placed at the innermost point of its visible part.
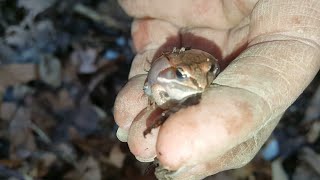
(276, 54)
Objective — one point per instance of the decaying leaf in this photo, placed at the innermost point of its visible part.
(35, 6)
(7, 110)
(314, 132)
(311, 158)
(312, 112)
(16, 73)
(278, 172)
(86, 168)
(43, 165)
(85, 59)
(50, 71)
(116, 156)
(21, 137)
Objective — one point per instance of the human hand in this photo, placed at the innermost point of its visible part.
(275, 47)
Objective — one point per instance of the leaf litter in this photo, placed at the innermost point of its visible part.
(62, 64)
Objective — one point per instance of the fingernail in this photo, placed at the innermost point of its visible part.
(122, 135)
(145, 159)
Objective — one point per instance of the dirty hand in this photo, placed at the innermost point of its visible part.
(275, 50)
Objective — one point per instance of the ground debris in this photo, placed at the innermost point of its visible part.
(62, 64)
(57, 87)
(21, 137)
(87, 168)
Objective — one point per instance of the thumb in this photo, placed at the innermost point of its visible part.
(200, 134)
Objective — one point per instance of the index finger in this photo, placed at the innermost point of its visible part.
(217, 14)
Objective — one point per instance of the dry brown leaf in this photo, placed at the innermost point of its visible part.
(85, 120)
(35, 6)
(17, 73)
(308, 167)
(86, 168)
(43, 165)
(66, 151)
(17, 36)
(7, 110)
(278, 172)
(312, 159)
(50, 71)
(21, 137)
(312, 112)
(11, 163)
(93, 145)
(85, 59)
(116, 156)
(314, 132)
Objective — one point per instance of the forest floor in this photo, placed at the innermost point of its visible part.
(62, 64)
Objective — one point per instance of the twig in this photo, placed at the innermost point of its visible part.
(41, 134)
(93, 15)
